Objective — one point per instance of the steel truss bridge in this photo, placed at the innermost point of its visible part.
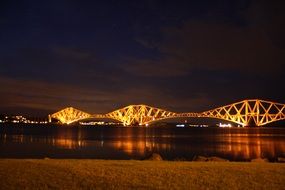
(247, 112)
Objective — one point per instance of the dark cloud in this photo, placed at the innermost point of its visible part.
(61, 64)
(49, 97)
(161, 67)
(251, 41)
(181, 56)
(268, 17)
(46, 95)
(212, 46)
(220, 46)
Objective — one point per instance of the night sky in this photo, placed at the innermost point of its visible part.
(98, 56)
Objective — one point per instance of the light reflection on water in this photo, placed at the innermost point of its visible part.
(136, 143)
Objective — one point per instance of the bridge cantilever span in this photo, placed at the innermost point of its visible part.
(247, 112)
(139, 114)
(69, 115)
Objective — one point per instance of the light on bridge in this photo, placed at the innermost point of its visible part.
(225, 125)
(257, 112)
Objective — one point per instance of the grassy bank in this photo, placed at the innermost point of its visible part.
(104, 174)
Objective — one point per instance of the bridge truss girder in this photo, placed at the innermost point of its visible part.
(69, 115)
(139, 114)
(246, 112)
(249, 112)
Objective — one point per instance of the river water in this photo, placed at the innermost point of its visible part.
(235, 144)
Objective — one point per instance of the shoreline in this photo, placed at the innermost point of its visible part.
(135, 174)
(157, 157)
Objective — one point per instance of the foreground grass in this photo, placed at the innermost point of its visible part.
(113, 174)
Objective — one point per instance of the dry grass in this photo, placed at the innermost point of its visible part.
(113, 174)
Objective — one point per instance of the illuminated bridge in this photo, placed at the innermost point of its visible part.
(247, 112)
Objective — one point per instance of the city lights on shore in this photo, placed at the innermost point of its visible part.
(21, 119)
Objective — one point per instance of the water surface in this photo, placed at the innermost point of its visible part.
(235, 144)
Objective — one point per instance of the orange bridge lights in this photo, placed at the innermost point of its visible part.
(247, 112)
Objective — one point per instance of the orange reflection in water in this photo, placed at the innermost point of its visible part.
(138, 143)
(140, 147)
(242, 146)
(235, 144)
(249, 146)
(67, 139)
(68, 143)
